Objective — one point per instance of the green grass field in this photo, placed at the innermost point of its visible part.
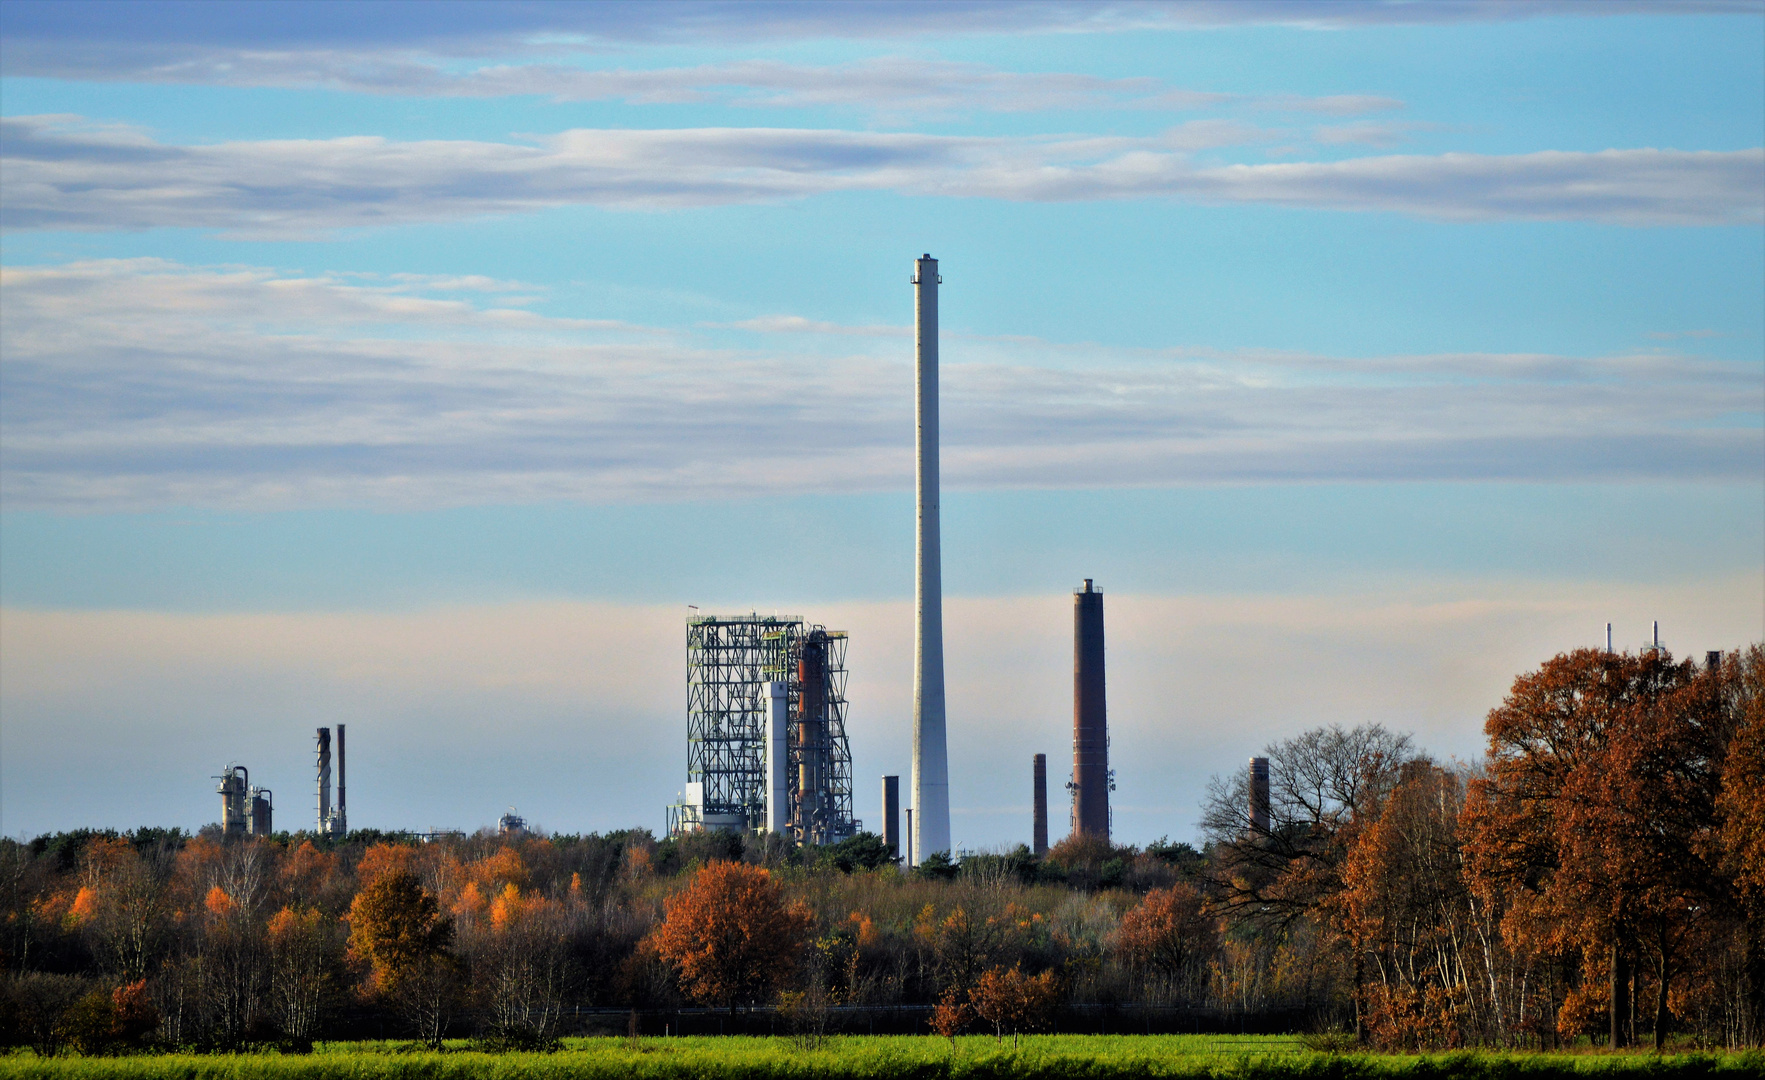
(1055, 1057)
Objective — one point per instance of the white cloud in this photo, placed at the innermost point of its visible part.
(141, 384)
(1334, 104)
(62, 176)
(1382, 134)
(881, 84)
(796, 324)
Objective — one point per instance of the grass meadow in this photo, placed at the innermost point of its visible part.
(882, 1057)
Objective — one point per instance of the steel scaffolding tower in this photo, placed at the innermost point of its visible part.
(729, 662)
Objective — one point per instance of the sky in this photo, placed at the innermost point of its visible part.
(414, 367)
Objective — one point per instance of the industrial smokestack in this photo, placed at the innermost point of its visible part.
(930, 829)
(324, 827)
(1657, 635)
(1090, 717)
(1039, 825)
(1712, 659)
(1259, 795)
(1608, 637)
(891, 798)
(341, 825)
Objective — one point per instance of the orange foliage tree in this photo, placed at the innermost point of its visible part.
(398, 928)
(1595, 821)
(1405, 912)
(1012, 1001)
(395, 924)
(731, 936)
(1168, 935)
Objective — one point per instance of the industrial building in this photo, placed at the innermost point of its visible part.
(766, 745)
(1092, 780)
(245, 810)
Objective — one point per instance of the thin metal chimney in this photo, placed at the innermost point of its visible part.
(341, 825)
(1608, 637)
(1039, 821)
(1259, 795)
(1090, 717)
(324, 826)
(1712, 659)
(1657, 635)
(929, 831)
(891, 800)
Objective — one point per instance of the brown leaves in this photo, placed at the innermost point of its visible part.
(1167, 931)
(1011, 1001)
(731, 936)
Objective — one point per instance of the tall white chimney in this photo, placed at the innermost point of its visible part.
(930, 829)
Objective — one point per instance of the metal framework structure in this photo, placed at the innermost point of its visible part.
(729, 662)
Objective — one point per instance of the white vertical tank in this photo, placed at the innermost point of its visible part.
(778, 768)
(930, 831)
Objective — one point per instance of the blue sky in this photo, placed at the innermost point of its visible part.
(418, 372)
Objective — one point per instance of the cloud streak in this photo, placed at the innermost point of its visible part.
(131, 385)
(60, 175)
(165, 33)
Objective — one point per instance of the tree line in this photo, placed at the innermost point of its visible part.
(1598, 876)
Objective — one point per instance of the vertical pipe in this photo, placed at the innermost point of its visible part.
(1259, 796)
(1608, 637)
(930, 831)
(814, 797)
(778, 806)
(891, 807)
(910, 861)
(1039, 821)
(324, 827)
(342, 808)
(1657, 635)
(1090, 717)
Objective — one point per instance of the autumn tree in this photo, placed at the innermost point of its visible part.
(731, 936)
(1168, 937)
(1320, 784)
(1595, 819)
(522, 967)
(1011, 1001)
(1408, 916)
(305, 954)
(1741, 809)
(952, 1015)
(398, 928)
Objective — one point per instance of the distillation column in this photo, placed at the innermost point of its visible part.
(324, 754)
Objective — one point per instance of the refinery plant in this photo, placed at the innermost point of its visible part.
(766, 741)
(766, 745)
